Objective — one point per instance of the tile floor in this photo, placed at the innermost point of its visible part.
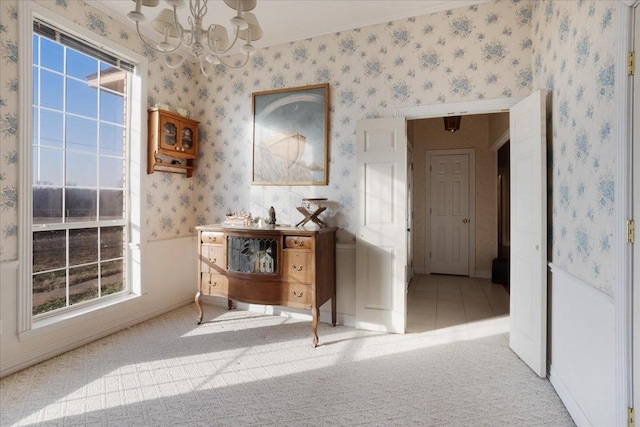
(437, 302)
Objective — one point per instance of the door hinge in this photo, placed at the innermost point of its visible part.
(429, 254)
(631, 231)
(631, 63)
(631, 422)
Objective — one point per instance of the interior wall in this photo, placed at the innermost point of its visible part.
(168, 213)
(429, 134)
(498, 125)
(574, 59)
(465, 54)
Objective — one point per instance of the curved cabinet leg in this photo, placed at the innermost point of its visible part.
(314, 325)
(229, 303)
(199, 307)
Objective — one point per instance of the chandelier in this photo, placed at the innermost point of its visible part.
(206, 46)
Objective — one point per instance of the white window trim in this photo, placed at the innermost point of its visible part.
(27, 328)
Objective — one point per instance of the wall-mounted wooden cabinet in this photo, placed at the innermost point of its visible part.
(173, 142)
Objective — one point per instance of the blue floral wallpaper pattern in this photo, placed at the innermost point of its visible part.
(468, 53)
(501, 48)
(573, 51)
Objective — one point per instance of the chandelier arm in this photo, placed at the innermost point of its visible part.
(246, 59)
(202, 68)
(210, 46)
(155, 49)
(180, 31)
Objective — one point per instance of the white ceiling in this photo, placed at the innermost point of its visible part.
(290, 20)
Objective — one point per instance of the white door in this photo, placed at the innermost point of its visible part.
(381, 240)
(449, 201)
(635, 312)
(528, 304)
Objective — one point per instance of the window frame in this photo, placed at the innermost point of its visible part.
(28, 324)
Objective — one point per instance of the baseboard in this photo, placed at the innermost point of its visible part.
(10, 366)
(482, 274)
(567, 399)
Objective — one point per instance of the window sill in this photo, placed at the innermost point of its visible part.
(64, 320)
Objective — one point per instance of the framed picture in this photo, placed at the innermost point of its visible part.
(291, 136)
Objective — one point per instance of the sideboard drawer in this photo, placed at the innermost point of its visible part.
(214, 284)
(212, 258)
(297, 242)
(213, 237)
(298, 267)
(298, 295)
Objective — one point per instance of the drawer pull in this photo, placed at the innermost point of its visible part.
(297, 294)
(297, 267)
(213, 260)
(298, 242)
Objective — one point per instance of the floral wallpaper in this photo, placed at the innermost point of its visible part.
(170, 204)
(468, 53)
(573, 48)
(497, 49)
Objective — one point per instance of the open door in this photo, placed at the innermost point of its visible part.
(528, 304)
(381, 240)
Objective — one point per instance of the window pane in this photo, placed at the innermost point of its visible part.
(82, 99)
(111, 172)
(80, 204)
(111, 204)
(111, 107)
(36, 88)
(82, 134)
(51, 90)
(35, 131)
(35, 41)
(83, 283)
(83, 246)
(81, 169)
(49, 250)
(112, 78)
(112, 275)
(51, 128)
(81, 66)
(49, 291)
(47, 166)
(51, 55)
(112, 140)
(112, 243)
(47, 205)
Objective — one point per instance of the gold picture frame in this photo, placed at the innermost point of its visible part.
(291, 136)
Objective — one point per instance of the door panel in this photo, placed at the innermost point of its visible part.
(449, 197)
(381, 244)
(528, 332)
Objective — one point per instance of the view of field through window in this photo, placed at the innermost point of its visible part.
(79, 174)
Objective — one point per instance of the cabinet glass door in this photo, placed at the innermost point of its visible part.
(248, 255)
(169, 134)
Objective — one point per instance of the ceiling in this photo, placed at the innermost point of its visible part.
(290, 20)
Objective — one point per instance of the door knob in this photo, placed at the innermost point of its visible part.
(465, 220)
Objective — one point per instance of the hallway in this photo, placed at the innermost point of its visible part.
(456, 303)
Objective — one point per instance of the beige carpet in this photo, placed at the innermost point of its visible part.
(243, 369)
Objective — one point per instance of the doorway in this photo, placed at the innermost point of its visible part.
(471, 296)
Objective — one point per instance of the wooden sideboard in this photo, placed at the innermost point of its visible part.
(288, 266)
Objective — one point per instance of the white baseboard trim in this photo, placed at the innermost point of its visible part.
(482, 274)
(567, 399)
(10, 366)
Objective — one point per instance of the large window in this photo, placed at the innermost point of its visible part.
(79, 176)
